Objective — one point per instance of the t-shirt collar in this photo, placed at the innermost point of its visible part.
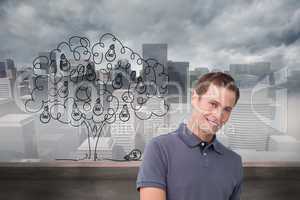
(191, 140)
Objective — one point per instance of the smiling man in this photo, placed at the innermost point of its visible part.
(190, 163)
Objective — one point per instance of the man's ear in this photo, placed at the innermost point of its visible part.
(194, 97)
(193, 92)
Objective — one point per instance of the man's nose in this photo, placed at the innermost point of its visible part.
(218, 114)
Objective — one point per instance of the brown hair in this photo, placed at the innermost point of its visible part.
(219, 79)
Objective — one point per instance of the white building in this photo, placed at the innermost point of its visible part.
(249, 121)
(18, 136)
(5, 88)
(104, 150)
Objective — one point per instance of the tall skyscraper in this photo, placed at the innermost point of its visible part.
(11, 69)
(155, 53)
(11, 73)
(8, 69)
(3, 69)
(158, 52)
(178, 81)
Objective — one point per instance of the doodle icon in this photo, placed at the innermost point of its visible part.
(118, 81)
(64, 64)
(53, 67)
(76, 114)
(83, 93)
(90, 74)
(140, 86)
(63, 91)
(98, 109)
(45, 115)
(124, 114)
(133, 76)
(110, 55)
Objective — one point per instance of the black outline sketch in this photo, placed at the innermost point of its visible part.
(89, 110)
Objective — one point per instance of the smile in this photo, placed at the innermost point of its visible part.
(212, 122)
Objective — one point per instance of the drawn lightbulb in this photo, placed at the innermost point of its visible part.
(118, 81)
(53, 67)
(110, 55)
(63, 90)
(83, 93)
(76, 114)
(64, 64)
(90, 74)
(98, 109)
(140, 86)
(45, 115)
(133, 76)
(124, 114)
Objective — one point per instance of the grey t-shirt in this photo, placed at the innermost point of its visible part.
(176, 163)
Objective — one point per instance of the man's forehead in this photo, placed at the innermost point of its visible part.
(219, 93)
(215, 91)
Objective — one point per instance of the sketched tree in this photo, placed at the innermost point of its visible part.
(80, 79)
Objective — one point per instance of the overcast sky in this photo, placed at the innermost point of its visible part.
(205, 33)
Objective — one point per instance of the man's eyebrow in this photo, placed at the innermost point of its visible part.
(215, 101)
(219, 103)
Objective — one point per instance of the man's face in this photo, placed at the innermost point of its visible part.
(212, 109)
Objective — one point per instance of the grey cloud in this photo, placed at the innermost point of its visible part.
(206, 33)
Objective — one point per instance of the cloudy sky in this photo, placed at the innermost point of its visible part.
(205, 33)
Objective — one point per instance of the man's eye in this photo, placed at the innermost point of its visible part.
(228, 110)
(213, 104)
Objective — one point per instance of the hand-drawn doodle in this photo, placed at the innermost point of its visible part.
(82, 80)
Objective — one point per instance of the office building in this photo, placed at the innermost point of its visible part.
(156, 56)
(178, 82)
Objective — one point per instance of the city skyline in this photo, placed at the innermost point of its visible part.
(274, 132)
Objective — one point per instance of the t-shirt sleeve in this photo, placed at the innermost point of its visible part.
(153, 170)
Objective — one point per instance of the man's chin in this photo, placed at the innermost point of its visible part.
(208, 131)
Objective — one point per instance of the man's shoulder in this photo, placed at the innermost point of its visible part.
(160, 145)
(230, 153)
(165, 139)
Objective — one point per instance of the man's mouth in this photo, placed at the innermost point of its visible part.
(214, 123)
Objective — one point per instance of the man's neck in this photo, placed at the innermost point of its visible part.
(194, 128)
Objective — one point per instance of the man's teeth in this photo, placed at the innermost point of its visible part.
(214, 123)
